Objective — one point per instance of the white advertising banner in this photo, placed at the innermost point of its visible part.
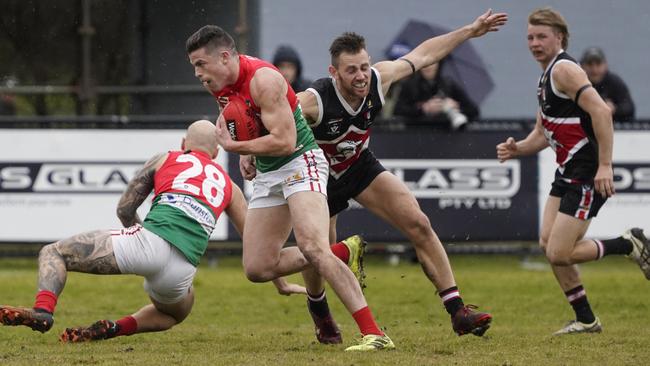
(57, 183)
(630, 206)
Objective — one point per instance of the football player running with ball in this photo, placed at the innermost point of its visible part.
(340, 110)
(290, 186)
(577, 124)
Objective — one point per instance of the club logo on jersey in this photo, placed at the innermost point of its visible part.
(347, 148)
(334, 126)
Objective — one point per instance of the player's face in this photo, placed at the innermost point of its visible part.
(213, 68)
(543, 42)
(353, 73)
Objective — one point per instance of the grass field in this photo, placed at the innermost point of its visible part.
(235, 322)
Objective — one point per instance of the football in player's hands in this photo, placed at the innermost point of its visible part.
(241, 120)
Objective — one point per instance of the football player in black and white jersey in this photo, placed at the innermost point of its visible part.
(577, 124)
(341, 110)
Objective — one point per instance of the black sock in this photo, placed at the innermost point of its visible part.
(451, 299)
(578, 299)
(318, 305)
(618, 245)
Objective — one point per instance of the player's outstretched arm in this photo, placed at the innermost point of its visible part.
(138, 190)
(435, 49)
(570, 79)
(236, 209)
(269, 91)
(532, 144)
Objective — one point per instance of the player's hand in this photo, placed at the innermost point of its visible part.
(507, 150)
(223, 136)
(247, 166)
(488, 22)
(604, 181)
(285, 288)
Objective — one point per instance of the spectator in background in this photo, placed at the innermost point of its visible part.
(609, 85)
(7, 105)
(429, 98)
(286, 59)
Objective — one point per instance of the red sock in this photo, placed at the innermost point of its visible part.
(366, 322)
(341, 251)
(128, 325)
(46, 300)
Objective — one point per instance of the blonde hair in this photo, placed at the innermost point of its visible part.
(549, 17)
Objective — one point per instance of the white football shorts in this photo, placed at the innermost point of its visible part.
(307, 172)
(168, 275)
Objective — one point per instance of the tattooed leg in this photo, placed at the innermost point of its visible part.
(90, 252)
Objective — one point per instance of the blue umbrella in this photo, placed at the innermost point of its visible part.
(463, 65)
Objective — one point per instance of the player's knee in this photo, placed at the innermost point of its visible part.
(313, 253)
(259, 270)
(558, 259)
(48, 251)
(418, 226)
(257, 274)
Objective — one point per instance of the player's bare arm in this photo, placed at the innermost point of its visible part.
(138, 190)
(532, 144)
(236, 209)
(269, 91)
(309, 105)
(570, 79)
(435, 49)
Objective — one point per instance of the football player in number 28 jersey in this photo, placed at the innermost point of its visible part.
(190, 193)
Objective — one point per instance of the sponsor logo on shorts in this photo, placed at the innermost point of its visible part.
(295, 178)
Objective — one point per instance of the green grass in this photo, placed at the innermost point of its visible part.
(235, 322)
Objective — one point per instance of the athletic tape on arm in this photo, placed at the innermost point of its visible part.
(410, 63)
(579, 92)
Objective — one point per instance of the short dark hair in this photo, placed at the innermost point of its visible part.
(348, 42)
(210, 36)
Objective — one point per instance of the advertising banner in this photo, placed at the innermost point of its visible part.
(57, 183)
(460, 186)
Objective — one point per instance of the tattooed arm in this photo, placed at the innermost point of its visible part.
(137, 191)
